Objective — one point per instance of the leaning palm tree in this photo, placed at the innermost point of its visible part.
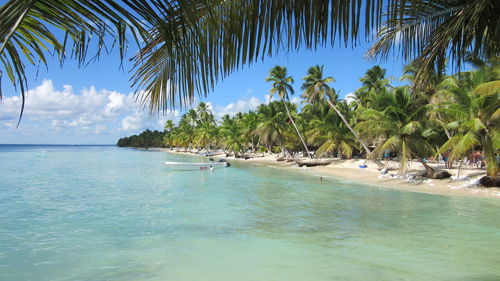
(282, 85)
(401, 126)
(186, 46)
(316, 89)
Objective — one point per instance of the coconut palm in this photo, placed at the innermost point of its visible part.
(327, 131)
(189, 45)
(282, 85)
(428, 92)
(192, 117)
(316, 89)
(475, 111)
(249, 124)
(432, 31)
(374, 79)
(186, 127)
(231, 135)
(400, 127)
(169, 126)
(273, 125)
(204, 113)
(204, 135)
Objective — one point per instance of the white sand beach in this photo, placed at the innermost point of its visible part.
(349, 170)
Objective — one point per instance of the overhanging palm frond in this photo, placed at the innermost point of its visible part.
(432, 31)
(190, 45)
(31, 30)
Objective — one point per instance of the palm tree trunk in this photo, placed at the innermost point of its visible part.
(368, 151)
(445, 130)
(297, 129)
(429, 171)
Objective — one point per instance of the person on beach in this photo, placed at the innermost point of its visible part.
(387, 156)
(447, 164)
(477, 159)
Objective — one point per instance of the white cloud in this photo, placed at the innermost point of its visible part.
(53, 114)
(268, 98)
(349, 97)
(296, 100)
(243, 105)
(89, 112)
(132, 122)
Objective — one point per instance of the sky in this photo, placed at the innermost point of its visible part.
(96, 105)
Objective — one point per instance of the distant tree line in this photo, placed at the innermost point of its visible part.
(145, 139)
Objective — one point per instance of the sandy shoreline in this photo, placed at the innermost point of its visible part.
(349, 170)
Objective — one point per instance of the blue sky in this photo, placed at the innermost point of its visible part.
(95, 104)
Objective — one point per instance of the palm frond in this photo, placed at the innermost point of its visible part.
(431, 31)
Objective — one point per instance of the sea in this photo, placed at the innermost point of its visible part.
(109, 213)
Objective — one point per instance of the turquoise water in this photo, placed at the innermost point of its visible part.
(107, 213)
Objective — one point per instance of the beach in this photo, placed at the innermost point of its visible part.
(349, 170)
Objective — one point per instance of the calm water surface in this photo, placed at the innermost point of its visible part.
(106, 213)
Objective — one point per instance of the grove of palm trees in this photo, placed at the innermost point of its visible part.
(455, 117)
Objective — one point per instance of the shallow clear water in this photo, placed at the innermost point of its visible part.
(106, 213)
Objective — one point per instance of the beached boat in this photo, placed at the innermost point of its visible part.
(197, 166)
(313, 162)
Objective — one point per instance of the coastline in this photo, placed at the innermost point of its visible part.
(348, 170)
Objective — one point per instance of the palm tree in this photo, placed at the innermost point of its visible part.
(327, 131)
(273, 126)
(186, 46)
(186, 134)
(400, 125)
(192, 117)
(282, 86)
(430, 32)
(249, 124)
(231, 135)
(169, 126)
(204, 135)
(374, 79)
(475, 113)
(316, 88)
(204, 113)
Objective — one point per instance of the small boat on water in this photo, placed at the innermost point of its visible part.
(197, 166)
(210, 154)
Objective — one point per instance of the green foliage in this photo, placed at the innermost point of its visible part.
(455, 114)
(145, 139)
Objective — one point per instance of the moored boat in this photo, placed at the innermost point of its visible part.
(197, 166)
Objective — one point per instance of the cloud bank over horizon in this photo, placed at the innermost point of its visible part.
(89, 116)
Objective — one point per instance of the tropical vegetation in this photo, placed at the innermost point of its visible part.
(454, 115)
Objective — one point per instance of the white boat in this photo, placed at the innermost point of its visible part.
(197, 166)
